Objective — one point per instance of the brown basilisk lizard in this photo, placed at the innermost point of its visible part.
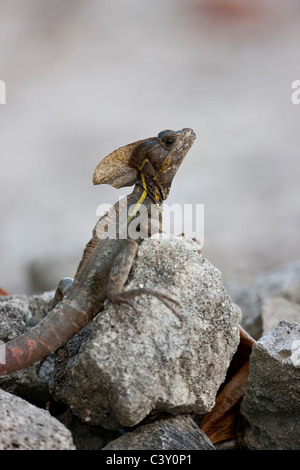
(150, 165)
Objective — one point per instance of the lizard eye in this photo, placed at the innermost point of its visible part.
(169, 141)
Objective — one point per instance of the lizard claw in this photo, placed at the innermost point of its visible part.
(173, 309)
(125, 297)
(121, 300)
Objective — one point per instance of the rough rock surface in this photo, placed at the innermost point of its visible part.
(27, 384)
(178, 433)
(129, 365)
(17, 314)
(86, 437)
(25, 427)
(271, 406)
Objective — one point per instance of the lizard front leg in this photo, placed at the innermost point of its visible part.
(118, 276)
(61, 290)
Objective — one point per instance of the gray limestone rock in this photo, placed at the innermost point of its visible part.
(17, 314)
(126, 365)
(86, 437)
(14, 316)
(271, 406)
(245, 296)
(25, 427)
(27, 384)
(175, 433)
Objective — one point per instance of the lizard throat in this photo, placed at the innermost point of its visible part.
(153, 190)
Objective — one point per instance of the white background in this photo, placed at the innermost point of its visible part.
(85, 77)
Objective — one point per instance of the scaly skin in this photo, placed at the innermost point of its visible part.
(150, 164)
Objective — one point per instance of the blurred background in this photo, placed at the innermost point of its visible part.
(85, 77)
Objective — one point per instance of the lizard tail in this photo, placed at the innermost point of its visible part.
(65, 320)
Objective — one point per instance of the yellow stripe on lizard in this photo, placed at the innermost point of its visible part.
(142, 198)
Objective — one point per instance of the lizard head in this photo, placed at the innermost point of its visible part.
(151, 163)
(165, 156)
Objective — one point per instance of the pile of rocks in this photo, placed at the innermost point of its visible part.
(269, 298)
(270, 411)
(143, 382)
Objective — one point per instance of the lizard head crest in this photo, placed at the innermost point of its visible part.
(151, 162)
